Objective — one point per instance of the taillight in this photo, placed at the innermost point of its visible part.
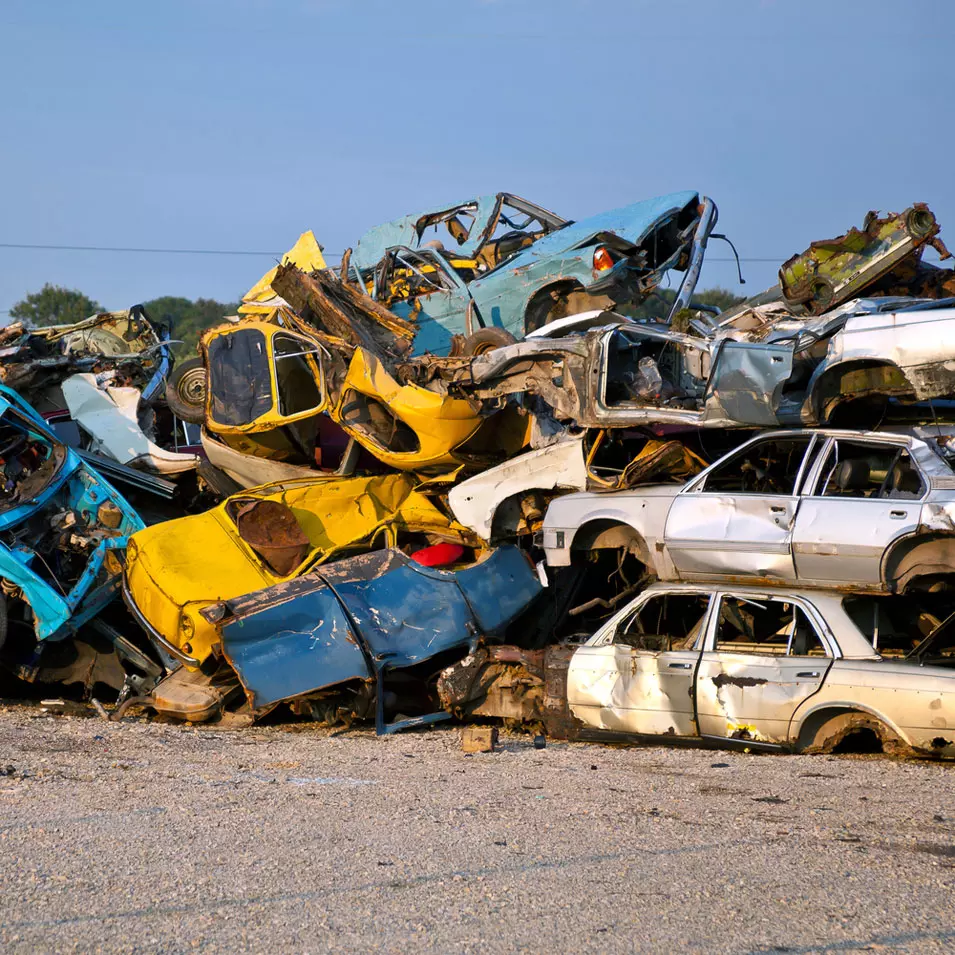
(602, 260)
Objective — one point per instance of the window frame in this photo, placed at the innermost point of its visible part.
(810, 456)
(813, 480)
(816, 619)
(604, 636)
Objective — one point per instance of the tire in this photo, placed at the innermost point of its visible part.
(186, 391)
(485, 340)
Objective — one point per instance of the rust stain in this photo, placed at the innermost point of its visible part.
(724, 679)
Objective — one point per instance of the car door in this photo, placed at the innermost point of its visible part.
(736, 519)
(421, 286)
(745, 382)
(637, 676)
(862, 496)
(763, 657)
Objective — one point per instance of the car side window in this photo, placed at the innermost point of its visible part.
(664, 622)
(298, 391)
(766, 467)
(857, 469)
(766, 626)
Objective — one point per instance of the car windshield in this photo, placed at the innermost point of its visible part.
(29, 457)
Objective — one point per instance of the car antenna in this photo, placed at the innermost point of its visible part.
(739, 271)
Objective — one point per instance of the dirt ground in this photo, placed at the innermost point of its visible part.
(145, 837)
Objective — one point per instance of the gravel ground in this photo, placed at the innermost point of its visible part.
(145, 837)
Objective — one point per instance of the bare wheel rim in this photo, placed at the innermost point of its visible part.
(192, 386)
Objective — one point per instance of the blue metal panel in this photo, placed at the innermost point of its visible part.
(499, 588)
(358, 617)
(632, 223)
(290, 647)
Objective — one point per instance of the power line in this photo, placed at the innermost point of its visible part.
(111, 248)
(116, 248)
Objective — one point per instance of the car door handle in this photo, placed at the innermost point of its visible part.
(681, 666)
(808, 673)
(776, 509)
(897, 515)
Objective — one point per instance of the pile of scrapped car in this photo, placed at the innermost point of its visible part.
(456, 477)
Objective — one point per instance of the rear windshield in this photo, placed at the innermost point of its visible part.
(895, 625)
(240, 386)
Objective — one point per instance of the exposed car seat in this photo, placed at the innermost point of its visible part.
(852, 475)
(905, 481)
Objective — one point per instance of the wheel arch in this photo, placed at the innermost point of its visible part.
(611, 533)
(846, 718)
(825, 384)
(547, 294)
(918, 555)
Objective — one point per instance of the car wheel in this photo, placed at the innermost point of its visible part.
(186, 391)
(485, 340)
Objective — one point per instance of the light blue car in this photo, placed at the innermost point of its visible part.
(63, 533)
(499, 267)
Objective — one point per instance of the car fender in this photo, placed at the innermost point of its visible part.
(645, 515)
(812, 707)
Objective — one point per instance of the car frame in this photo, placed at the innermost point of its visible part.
(784, 532)
(760, 695)
(618, 256)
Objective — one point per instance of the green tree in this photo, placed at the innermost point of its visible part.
(659, 303)
(188, 319)
(55, 305)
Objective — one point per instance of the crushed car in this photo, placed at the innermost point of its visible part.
(263, 537)
(526, 267)
(63, 531)
(365, 636)
(102, 383)
(761, 368)
(738, 666)
(883, 255)
(274, 383)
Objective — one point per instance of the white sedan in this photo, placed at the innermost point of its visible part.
(822, 508)
(782, 669)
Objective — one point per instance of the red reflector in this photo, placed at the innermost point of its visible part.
(437, 555)
(602, 260)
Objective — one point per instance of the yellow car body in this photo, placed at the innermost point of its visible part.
(306, 254)
(263, 376)
(177, 568)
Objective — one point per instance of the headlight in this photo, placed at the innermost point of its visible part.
(186, 627)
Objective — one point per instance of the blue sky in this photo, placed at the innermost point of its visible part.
(237, 124)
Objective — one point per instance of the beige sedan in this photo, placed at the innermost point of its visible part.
(766, 667)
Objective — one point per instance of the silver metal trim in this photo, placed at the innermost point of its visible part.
(152, 632)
